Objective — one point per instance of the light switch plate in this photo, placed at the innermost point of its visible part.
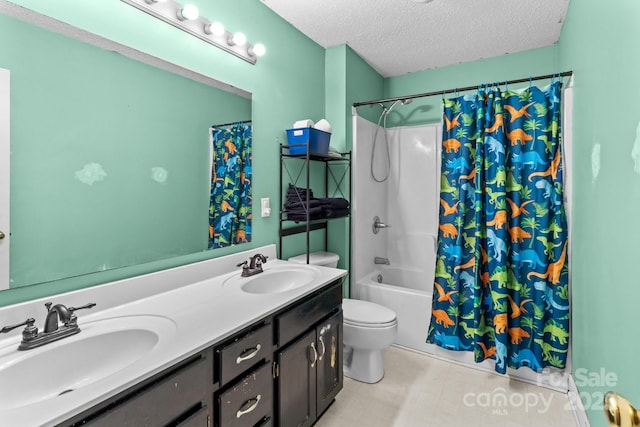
(265, 206)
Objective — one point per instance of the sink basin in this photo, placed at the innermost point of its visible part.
(100, 350)
(278, 279)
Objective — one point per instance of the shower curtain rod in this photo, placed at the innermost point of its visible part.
(442, 92)
(229, 124)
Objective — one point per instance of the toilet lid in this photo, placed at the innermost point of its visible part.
(365, 312)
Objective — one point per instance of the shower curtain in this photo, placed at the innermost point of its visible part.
(501, 281)
(230, 199)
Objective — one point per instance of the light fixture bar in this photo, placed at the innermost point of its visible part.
(168, 11)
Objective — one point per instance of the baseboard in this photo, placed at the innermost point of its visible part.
(579, 412)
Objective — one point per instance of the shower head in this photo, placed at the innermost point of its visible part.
(404, 101)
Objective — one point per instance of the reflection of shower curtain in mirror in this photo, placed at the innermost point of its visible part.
(230, 205)
(501, 282)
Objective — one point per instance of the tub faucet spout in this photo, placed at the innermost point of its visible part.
(381, 260)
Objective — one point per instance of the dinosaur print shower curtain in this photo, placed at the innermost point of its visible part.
(501, 281)
(230, 204)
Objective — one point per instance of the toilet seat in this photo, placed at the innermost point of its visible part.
(367, 314)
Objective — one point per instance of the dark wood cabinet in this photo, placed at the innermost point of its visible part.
(283, 370)
(309, 369)
(296, 383)
(178, 396)
(329, 378)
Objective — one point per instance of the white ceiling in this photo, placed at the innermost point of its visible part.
(403, 36)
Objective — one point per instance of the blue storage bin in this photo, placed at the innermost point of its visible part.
(317, 141)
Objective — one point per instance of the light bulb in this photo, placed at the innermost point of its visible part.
(215, 28)
(188, 11)
(258, 49)
(238, 39)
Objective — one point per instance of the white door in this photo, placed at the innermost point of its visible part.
(4, 178)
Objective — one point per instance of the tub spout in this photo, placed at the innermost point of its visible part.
(380, 260)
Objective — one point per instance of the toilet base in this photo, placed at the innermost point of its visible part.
(363, 365)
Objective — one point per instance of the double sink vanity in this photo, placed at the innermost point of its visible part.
(197, 345)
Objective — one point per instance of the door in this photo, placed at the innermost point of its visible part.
(296, 383)
(5, 152)
(329, 367)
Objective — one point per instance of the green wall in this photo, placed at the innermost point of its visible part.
(288, 80)
(349, 79)
(599, 41)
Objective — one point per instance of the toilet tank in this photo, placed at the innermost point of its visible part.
(326, 259)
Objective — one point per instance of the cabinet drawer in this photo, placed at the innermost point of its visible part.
(199, 419)
(244, 352)
(249, 401)
(293, 322)
(161, 402)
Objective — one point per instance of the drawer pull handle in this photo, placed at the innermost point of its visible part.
(251, 403)
(324, 349)
(248, 354)
(315, 354)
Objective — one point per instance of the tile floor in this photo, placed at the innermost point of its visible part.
(422, 391)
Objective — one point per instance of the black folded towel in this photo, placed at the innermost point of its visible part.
(335, 202)
(301, 214)
(292, 204)
(300, 192)
(334, 213)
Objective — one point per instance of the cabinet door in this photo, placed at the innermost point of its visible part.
(297, 382)
(329, 367)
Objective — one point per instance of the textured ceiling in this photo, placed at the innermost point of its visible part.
(403, 36)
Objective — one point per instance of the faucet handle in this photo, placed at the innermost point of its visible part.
(90, 305)
(261, 259)
(30, 330)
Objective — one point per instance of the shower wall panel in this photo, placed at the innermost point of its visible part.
(412, 208)
(369, 199)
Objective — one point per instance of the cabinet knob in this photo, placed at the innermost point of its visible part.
(1, 235)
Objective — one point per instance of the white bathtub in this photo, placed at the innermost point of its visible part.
(408, 293)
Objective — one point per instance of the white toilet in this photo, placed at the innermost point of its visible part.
(369, 329)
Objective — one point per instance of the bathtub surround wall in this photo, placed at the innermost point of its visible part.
(407, 202)
(366, 245)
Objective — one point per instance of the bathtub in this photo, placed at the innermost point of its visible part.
(406, 292)
(409, 293)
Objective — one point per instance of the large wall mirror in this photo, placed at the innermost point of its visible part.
(110, 156)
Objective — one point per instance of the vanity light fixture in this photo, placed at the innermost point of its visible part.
(188, 11)
(238, 39)
(257, 49)
(215, 28)
(187, 18)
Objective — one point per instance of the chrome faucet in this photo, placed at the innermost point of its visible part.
(53, 331)
(253, 266)
(377, 225)
(380, 260)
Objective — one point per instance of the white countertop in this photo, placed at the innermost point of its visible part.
(204, 312)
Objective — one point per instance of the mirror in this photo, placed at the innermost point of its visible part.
(110, 157)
